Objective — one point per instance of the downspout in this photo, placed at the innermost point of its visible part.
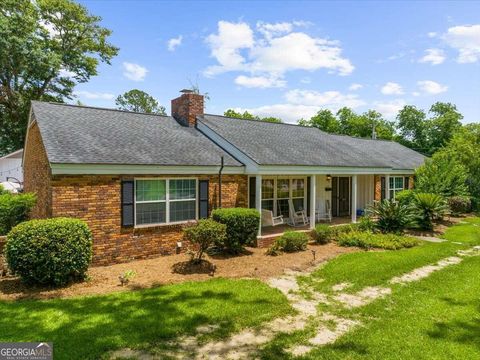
(220, 184)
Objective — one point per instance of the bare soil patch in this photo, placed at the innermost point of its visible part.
(160, 271)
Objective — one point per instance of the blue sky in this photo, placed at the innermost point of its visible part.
(290, 59)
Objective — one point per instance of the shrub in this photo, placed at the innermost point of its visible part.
(405, 197)
(242, 227)
(367, 224)
(391, 216)
(3, 191)
(205, 233)
(52, 251)
(323, 234)
(14, 208)
(290, 241)
(368, 240)
(429, 207)
(459, 204)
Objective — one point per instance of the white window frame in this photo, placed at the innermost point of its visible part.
(167, 201)
(290, 190)
(394, 189)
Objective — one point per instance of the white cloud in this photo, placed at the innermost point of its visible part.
(259, 81)
(431, 87)
(432, 34)
(173, 43)
(389, 109)
(465, 39)
(277, 50)
(93, 95)
(306, 103)
(433, 56)
(355, 87)
(416, 93)
(305, 80)
(391, 88)
(134, 72)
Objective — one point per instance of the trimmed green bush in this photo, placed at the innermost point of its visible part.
(368, 240)
(14, 208)
(3, 191)
(52, 251)
(391, 216)
(290, 241)
(366, 223)
(323, 234)
(459, 205)
(205, 233)
(405, 197)
(242, 227)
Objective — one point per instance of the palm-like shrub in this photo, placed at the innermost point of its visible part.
(429, 207)
(391, 216)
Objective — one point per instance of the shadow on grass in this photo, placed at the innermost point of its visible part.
(89, 327)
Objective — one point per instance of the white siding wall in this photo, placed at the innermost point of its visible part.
(323, 195)
(11, 168)
(365, 190)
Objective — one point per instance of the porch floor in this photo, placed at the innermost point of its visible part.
(270, 231)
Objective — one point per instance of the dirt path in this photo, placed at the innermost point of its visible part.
(245, 344)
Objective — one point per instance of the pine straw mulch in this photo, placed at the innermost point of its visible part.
(253, 263)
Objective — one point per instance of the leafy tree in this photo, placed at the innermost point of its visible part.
(412, 128)
(247, 116)
(323, 120)
(445, 122)
(139, 101)
(46, 47)
(443, 174)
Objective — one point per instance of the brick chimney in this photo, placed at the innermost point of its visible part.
(186, 107)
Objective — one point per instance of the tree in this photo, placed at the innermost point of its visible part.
(323, 120)
(46, 48)
(247, 116)
(445, 122)
(443, 175)
(412, 128)
(139, 101)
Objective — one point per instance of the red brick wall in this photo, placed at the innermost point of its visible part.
(37, 173)
(96, 199)
(186, 108)
(378, 186)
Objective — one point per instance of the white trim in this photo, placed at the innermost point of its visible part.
(353, 198)
(324, 170)
(166, 201)
(113, 169)
(313, 199)
(8, 156)
(258, 200)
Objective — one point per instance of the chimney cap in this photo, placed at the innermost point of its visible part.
(187, 91)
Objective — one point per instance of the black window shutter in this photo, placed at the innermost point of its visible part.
(128, 206)
(406, 183)
(383, 188)
(252, 196)
(203, 199)
(309, 181)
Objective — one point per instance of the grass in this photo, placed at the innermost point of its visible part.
(88, 327)
(435, 318)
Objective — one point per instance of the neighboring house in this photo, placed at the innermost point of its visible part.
(137, 179)
(11, 167)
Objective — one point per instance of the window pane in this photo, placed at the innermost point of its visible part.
(283, 188)
(267, 204)
(150, 190)
(182, 189)
(399, 183)
(298, 204)
(267, 189)
(282, 208)
(392, 194)
(182, 210)
(390, 182)
(298, 187)
(151, 213)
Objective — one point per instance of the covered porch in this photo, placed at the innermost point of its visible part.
(299, 202)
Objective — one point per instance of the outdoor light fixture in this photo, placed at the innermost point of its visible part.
(329, 177)
(179, 244)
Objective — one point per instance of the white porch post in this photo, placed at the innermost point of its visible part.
(313, 198)
(258, 199)
(354, 198)
(387, 187)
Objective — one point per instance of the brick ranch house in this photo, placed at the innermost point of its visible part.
(137, 179)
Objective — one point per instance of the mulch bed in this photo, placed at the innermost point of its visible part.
(253, 263)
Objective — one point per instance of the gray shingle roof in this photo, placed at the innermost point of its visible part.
(284, 144)
(86, 135)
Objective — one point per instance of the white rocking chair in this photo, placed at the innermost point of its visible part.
(325, 215)
(269, 220)
(297, 218)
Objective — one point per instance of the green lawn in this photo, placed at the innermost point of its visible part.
(435, 318)
(86, 328)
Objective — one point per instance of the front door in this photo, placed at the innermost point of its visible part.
(340, 196)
